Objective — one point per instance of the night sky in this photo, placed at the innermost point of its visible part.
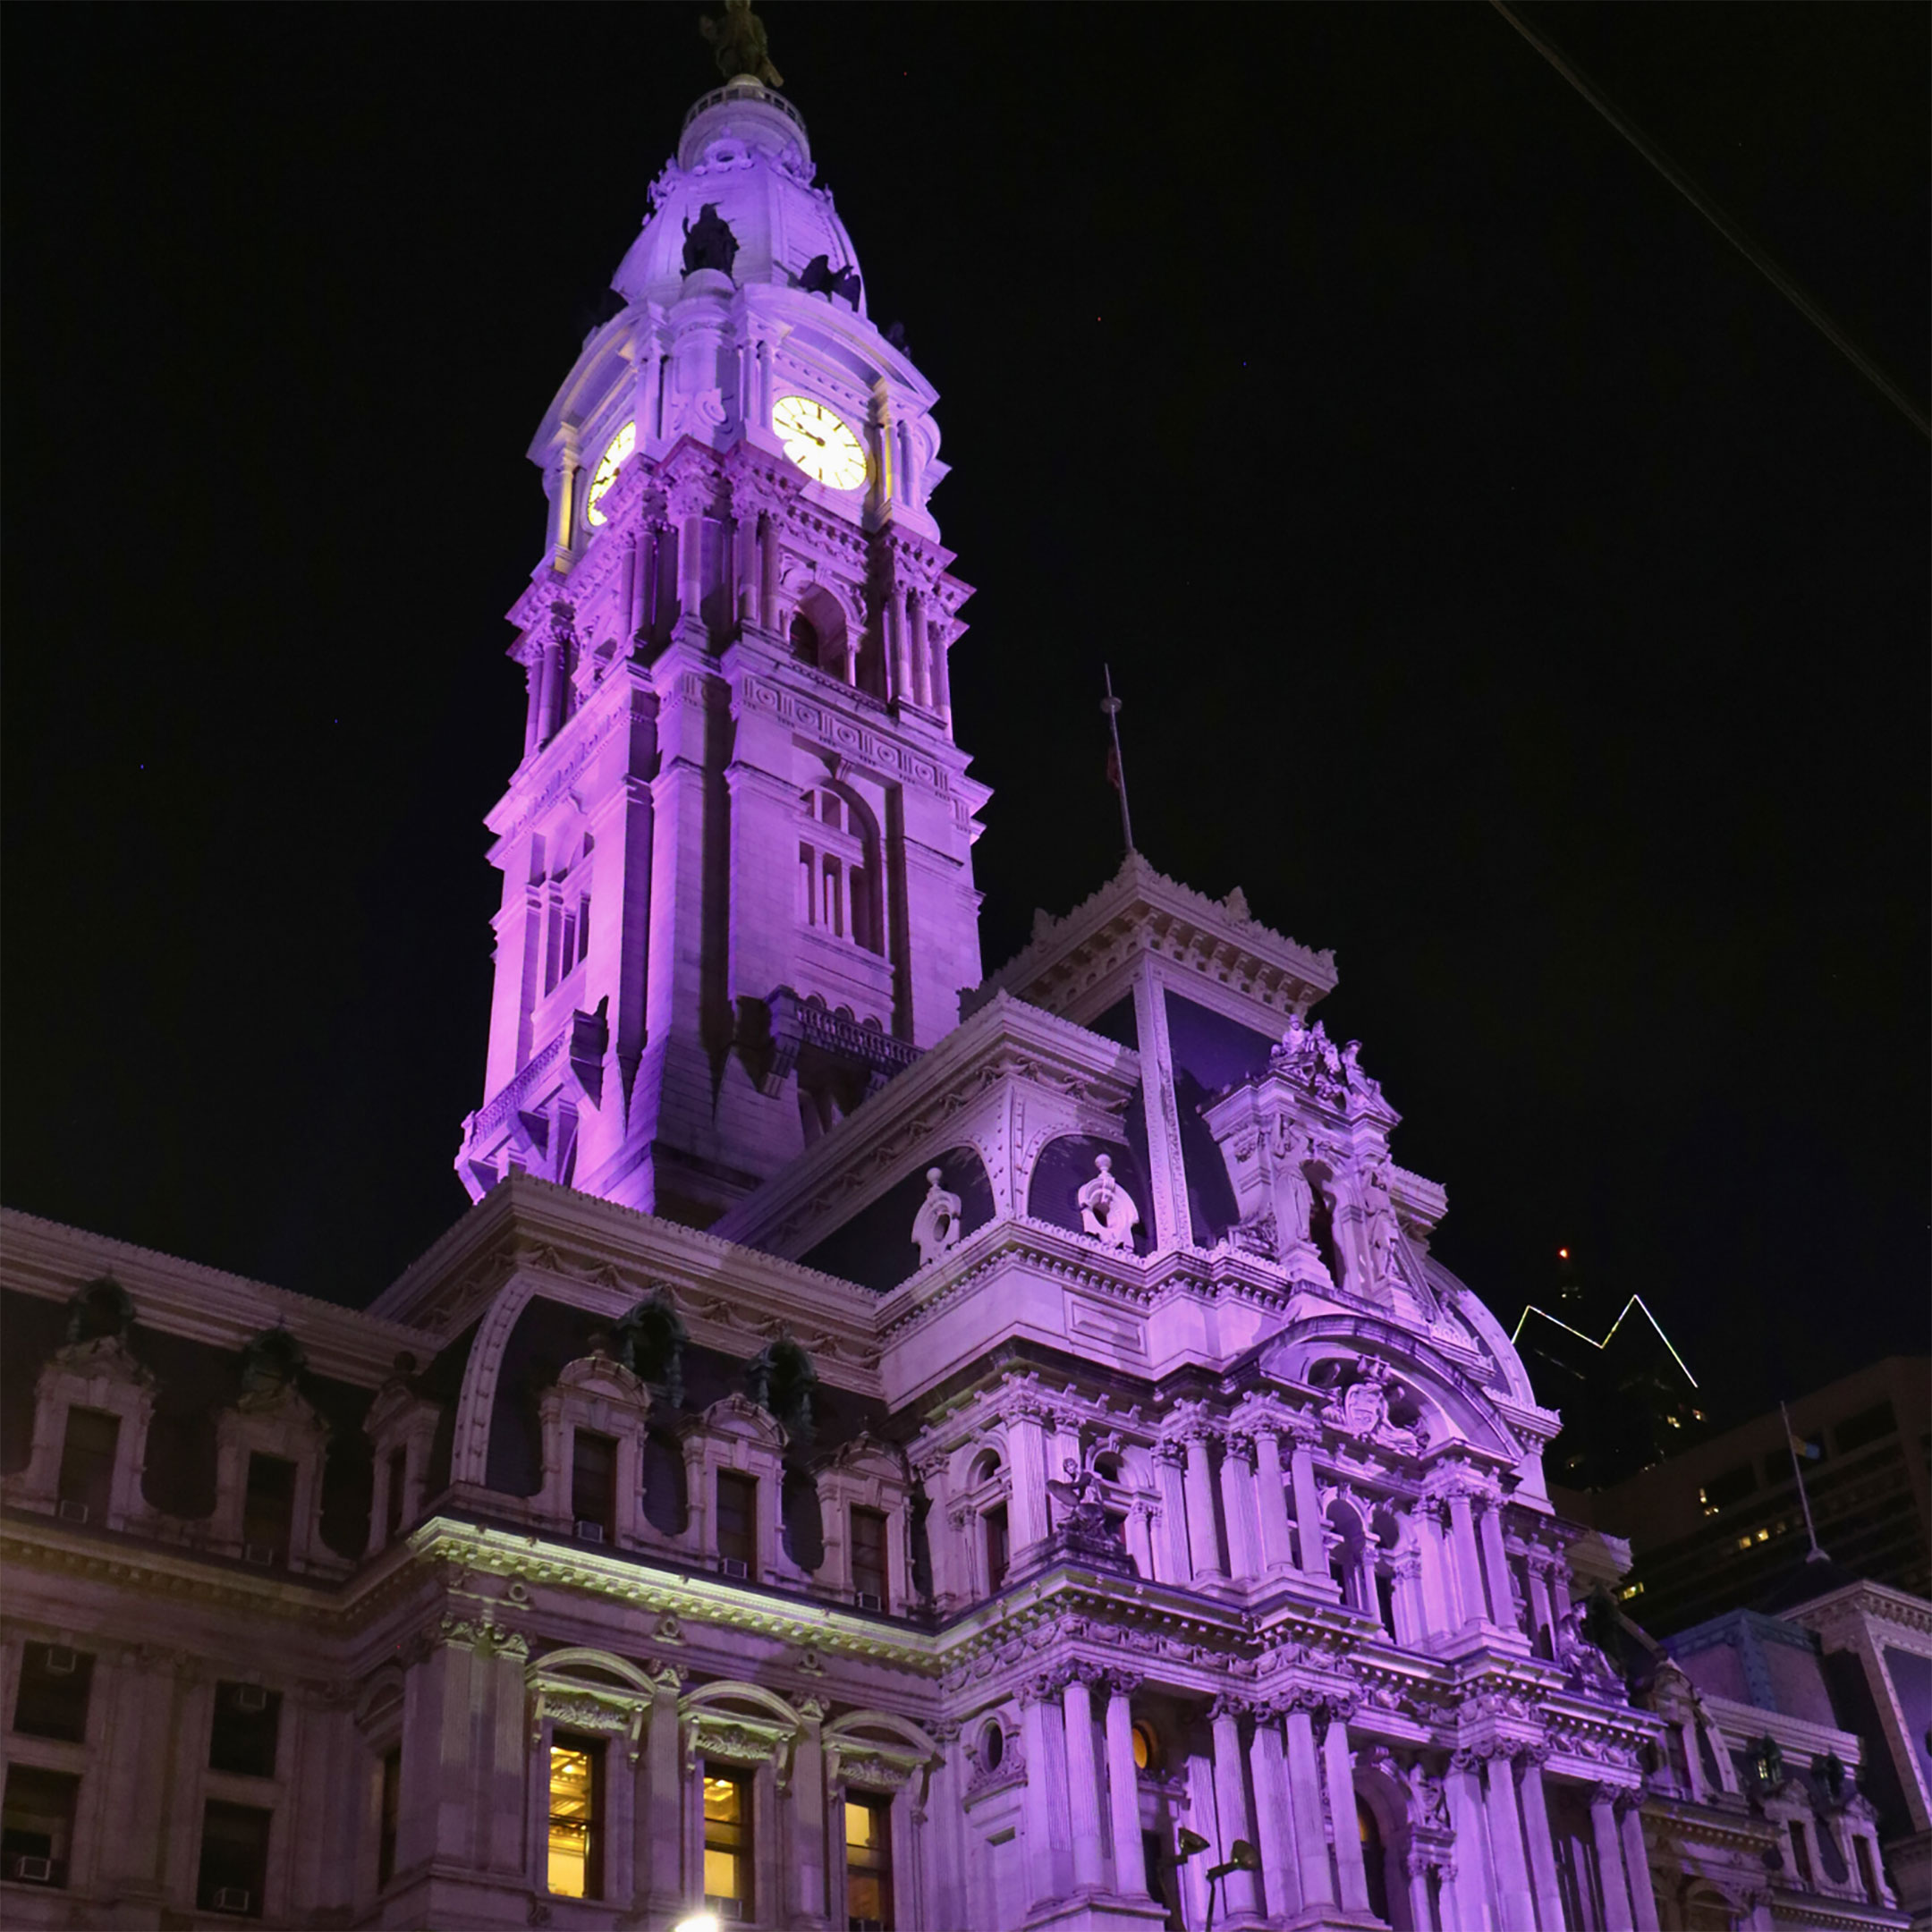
(1507, 587)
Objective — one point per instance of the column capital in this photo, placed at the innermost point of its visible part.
(1228, 1705)
(1170, 1451)
(1124, 1683)
(1239, 1445)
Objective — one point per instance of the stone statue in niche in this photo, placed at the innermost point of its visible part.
(1579, 1654)
(935, 1227)
(742, 44)
(1107, 1210)
(709, 243)
(1378, 1222)
(1084, 1530)
(1293, 1197)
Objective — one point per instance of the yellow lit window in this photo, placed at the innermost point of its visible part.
(1744, 1542)
(727, 1840)
(576, 1776)
(1145, 1748)
(869, 1874)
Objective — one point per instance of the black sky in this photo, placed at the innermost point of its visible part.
(1508, 588)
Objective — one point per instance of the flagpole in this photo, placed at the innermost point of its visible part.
(1815, 1555)
(1111, 704)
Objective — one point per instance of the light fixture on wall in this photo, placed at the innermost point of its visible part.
(698, 1922)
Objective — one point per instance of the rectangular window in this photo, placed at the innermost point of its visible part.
(1866, 1427)
(235, 1858)
(594, 1482)
(88, 1465)
(268, 1509)
(52, 1698)
(392, 1817)
(737, 1518)
(727, 1842)
(393, 1506)
(1732, 1486)
(996, 1551)
(246, 1718)
(868, 1555)
(869, 1873)
(576, 1865)
(1867, 1877)
(37, 1830)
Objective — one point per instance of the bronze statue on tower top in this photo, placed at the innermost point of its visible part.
(740, 43)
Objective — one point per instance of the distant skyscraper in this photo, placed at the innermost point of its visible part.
(1599, 1355)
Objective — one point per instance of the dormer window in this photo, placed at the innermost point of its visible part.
(838, 869)
(268, 1509)
(594, 1486)
(737, 1522)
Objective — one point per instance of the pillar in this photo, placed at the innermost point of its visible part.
(1043, 1809)
(1304, 1802)
(1496, 1565)
(1637, 1865)
(945, 1868)
(746, 519)
(1271, 1498)
(808, 1816)
(1474, 1891)
(1123, 1787)
(1273, 1824)
(1231, 1805)
(1083, 1778)
(920, 650)
(768, 573)
(1338, 1764)
(1309, 1524)
(1513, 1899)
(1412, 1624)
(1463, 1555)
(1238, 1506)
(1204, 1542)
(1416, 1865)
(1171, 1564)
(1543, 1621)
(660, 1833)
(1542, 1851)
(1610, 1861)
(1026, 1502)
(896, 643)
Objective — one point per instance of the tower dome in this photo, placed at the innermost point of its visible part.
(745, 155)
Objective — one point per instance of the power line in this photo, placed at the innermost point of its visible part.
(1730, 229)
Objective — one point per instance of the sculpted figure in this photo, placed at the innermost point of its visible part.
(1107, 1210)
(935, 1227)
(1295, 1200)
(1379, 1220)
(743, 48)
(709, 243)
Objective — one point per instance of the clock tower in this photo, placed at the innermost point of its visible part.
(736, 854)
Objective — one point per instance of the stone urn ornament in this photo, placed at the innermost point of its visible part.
(1107, 1210)
(935, 1227)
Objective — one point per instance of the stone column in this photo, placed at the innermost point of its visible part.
(1440, 1610)
(1083, 1777)
(689, 497)
(1304, 1800)
(1271, 1497)
(1610, 1861)
(1543, 1623)
(945, 1869)
(1474, 1890)
(1542, 1851)
(1637, 1863)
(1417, 1867)
(1238, 1506)
(627, 585)
(1468, 1561)
(1204, 1542)
(920, 649)
(769, 572)
(745, 519)
(1171, 1564)
(1167, 1216)
(1043, 1813)
(808, 1901)
(941, 635)
(1231, 1805)
(660, 1840)
(1309, 1525)
(1139, 1532)
(1411, 1625)
(1274, 1824)
(1124, 1786)
(896, 643)
(1513, 1898)
(1025, 1456)
(1496, 1565)
(1338, 1764)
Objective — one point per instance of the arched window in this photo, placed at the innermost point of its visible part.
(1375, 1859)
(806, 643)
(838, 869)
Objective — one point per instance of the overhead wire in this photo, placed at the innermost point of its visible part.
(1723, 223)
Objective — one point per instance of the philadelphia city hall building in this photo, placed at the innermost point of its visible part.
(873, 1455)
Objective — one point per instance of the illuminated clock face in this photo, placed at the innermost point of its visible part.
(825, 446)
(616, 457)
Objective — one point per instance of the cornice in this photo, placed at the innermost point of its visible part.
(723, 1291)
(1156, 914)
(49, 1260)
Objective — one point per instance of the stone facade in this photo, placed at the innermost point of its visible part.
(1056, 1486)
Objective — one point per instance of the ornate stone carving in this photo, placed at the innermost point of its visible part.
(935, 1227)
(1107, 1210)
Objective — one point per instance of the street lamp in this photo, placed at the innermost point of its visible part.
(1242, 1856)
(703, 1921)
